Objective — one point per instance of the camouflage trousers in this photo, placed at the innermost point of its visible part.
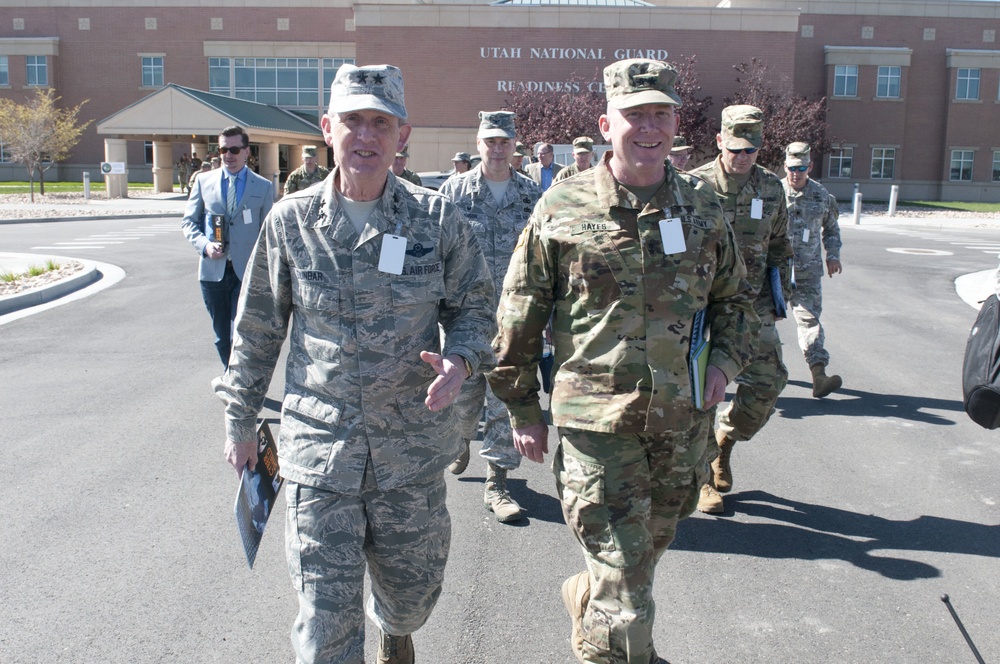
(402, 534)
(477, 401)
(807, 305)
(622, 496)
(757, 387)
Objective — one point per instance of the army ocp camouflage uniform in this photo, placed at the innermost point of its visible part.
(407, 174)
(763, 243)
(497, 226)
(354, 426)
(622, 315)
(301, 178)
(812, 217)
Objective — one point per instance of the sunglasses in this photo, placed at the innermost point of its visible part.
(232, 149)
(747, 150)
(797, 169)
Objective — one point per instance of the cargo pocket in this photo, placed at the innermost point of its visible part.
(308, 430)
(581, 488)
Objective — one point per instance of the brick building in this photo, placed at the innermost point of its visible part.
(913, 86)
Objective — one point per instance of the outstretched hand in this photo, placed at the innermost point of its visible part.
(451, 373)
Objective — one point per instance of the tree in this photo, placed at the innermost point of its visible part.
(557, 116)
(38, 134)
(695, 125)
(787, 117)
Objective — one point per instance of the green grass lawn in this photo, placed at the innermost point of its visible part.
(59, 187)
(953, 205)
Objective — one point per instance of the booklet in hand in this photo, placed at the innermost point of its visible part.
(257, 494)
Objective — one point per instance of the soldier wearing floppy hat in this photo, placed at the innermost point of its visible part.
(754, 204)
(592, 254)
(366, 431)
(813, 228)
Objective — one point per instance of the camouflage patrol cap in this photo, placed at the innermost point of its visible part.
(520, 149)
(308, 150)
(629, 83)
(404, 153)
(496, 124)
(742, 127)
(461, 156)
(797, 154)
(583, 144)
(372, 87)
(680, 145)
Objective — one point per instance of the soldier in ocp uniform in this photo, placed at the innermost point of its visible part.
(361, 271)
(583, 154)
(306, 175)
(517, 160)
(680, 154)
(754, 204)
(400, 170)
(625, 256)
(497, 202)
(812, 228)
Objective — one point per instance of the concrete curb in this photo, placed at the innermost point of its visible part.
(43, 294)
(46, 220)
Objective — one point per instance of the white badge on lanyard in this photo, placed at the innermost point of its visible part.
(393, 253)
(247, 216)
(756, 209)
(805, 234)
(672, 235)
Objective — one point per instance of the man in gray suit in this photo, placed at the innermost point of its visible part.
(543, 171)
(222, 221)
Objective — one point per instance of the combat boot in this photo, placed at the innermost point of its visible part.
(722, 473)
(394, 649)
(710, 500)
(496, 499)
(823, 384)
(576, 596)
(459, 465)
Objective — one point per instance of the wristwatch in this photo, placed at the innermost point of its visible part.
(468, 367)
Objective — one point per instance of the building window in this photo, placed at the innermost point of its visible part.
(840, 162)
(968, 84)
(219, 80)
(883, 163)
(6, 157)
(888, 83)
(38, 71)
(152, 72)
(996, 166)
(147, 150)
(330, 67)
(845, 81)
(961, 165)
(4, 71)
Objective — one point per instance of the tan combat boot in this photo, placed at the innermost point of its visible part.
(710, 500)
(722, 473)
(576, 596)
(459, 465)
(394, 649)
(823, 384)
(496, 499)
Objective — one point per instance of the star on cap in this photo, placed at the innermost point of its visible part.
(360, 76)
(377, 79)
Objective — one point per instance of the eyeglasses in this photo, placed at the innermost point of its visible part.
(797, 169)
(747, 150)
(232, 149)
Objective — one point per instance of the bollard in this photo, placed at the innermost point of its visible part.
(857, 208)
(276, 181)
(893, 197)
(86, 186)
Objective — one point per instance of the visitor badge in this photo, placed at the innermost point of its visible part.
(672, 235)
(247, 216)
(805, 234)
(393, 253)
(756, 209)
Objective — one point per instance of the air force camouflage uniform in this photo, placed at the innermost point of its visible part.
(763, 244)
(812, 216)
(632, 445)
(355, 432)
(497, 227)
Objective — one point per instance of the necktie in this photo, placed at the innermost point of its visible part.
(231, 195)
